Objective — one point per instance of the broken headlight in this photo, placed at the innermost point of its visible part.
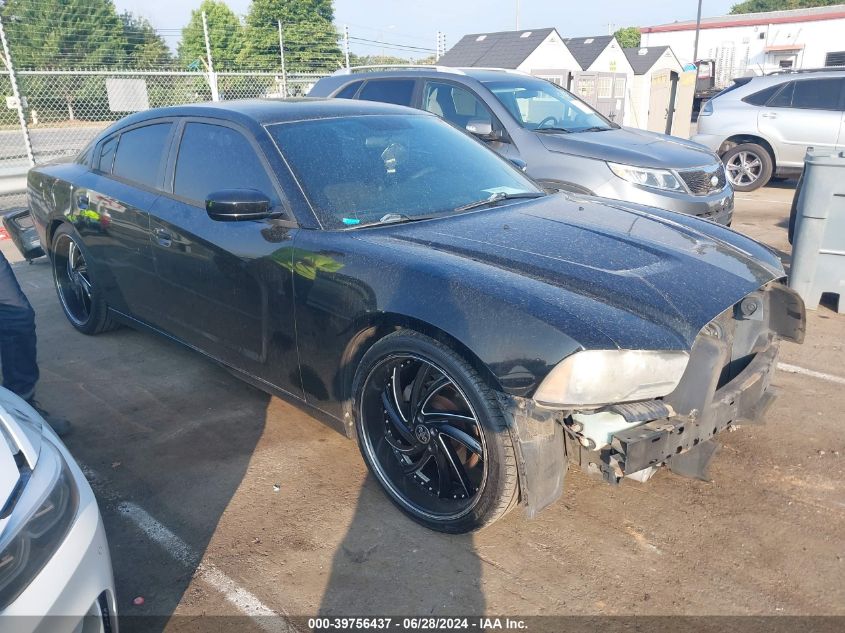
(593, 378)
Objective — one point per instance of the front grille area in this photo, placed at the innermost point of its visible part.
(700, 181)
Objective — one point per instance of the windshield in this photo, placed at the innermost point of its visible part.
(541, 105)
(373, 169)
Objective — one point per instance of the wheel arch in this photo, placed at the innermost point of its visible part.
(376, 326)
(739, 139)
(52, 227)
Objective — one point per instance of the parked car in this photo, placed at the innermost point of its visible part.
(762, 126)
(55, 567)
(376, 264)
(562, 142)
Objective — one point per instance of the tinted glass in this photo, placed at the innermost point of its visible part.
(349, 91)
(817, 94)
(391, 164)
(398, 91)
(139, 153)
(540, 105)
(107, 155)
(454, 104)
(761, 97)
(783, 99)
(212, 158)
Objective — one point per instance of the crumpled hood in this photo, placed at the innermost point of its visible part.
(642, 279)
(630, 146)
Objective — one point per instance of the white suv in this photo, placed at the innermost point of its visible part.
(762, 126)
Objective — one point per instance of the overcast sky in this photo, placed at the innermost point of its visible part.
(416, 23)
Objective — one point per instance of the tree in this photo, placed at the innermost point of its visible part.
(757, 6)
(310, 38)
(144, 47)
(628, 37)
(64, 33)
(225, 34)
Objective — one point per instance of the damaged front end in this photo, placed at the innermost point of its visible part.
(726, 382)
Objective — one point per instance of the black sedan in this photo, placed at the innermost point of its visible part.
(376, 264)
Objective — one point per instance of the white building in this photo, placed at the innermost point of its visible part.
(757, 43)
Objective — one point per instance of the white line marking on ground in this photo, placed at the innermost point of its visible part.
(795, 369)
(246, 602)
(772, 200)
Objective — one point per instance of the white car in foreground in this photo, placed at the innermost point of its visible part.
(55, 567)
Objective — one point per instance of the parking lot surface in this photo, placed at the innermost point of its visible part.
(219, 499)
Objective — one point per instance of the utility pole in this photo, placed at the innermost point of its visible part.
(16, 95)
(346, 45)
(437, 49)
(282, 57)
(212, 78)
(697, 29)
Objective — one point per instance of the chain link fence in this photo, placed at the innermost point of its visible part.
(66, 109)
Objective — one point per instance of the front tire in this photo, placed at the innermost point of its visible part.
(748, 166)
(81, 298)
(433, 434)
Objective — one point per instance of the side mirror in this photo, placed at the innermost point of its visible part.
(483, 129)
(235, 205)
(520, 164)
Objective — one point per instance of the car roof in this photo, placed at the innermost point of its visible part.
(269, 111)
(327, 85)
(759, 82)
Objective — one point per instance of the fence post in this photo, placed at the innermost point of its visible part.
(212, 76)
(282, 57)
(16, 95)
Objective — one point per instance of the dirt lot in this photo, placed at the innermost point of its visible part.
(221, 500)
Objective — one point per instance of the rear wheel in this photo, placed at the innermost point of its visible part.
(81, 299)
(748, 166)
(433, 434)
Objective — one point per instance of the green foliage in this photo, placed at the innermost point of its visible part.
(144, 47)
(377, 60)
(757, 6)
(225, 33)
(64, 33)
(628, 37)
(309, 35)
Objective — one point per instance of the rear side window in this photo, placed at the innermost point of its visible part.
(761, 97)
(212, 158)
(106, 157)
(349, 91)
(812, 94)
(398, 91)
(139, 153)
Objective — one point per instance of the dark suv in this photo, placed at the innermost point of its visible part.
(564, 143)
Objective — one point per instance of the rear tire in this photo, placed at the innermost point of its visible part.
(433, 434)
(748, 166)
(79, 294)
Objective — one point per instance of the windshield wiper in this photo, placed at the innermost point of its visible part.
(398, 218)
(596, 128)
(498, 197)
(553, 129)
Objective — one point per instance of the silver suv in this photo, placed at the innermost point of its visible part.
(762, 126)
(559, 140)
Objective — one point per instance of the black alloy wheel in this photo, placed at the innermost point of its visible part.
(423, 435)
(80, 298)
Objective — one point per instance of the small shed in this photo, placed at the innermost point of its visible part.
(541, 52)
(645, 61)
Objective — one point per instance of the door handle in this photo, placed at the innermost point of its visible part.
(163, 237)
(769, 115)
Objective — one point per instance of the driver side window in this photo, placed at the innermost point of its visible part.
(456, 105)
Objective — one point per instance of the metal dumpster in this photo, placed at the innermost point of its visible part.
(818, 241)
